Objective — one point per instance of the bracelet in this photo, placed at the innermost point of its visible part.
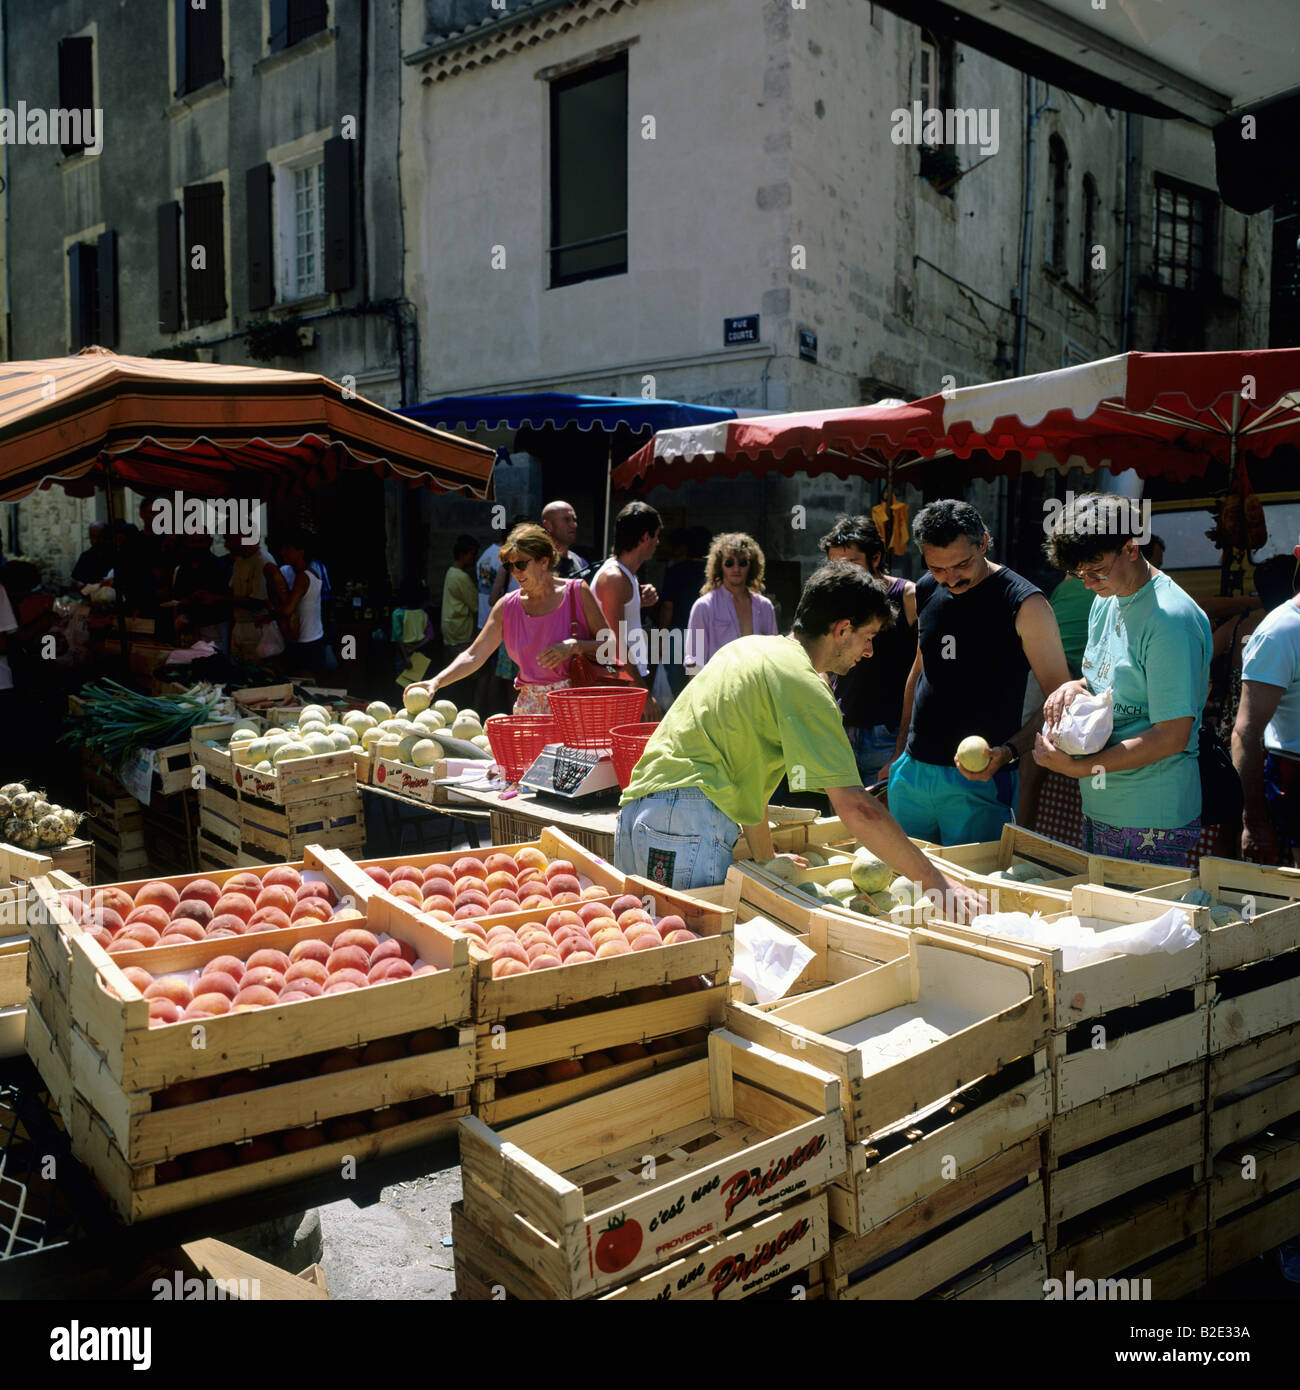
(1015, 757)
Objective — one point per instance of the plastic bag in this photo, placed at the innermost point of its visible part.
(767, 959)
(1087, 723)
(1085, 940)
(661, 690)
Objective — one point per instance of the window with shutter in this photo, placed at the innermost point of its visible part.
(338, 186)
(83, 294)
(76, 84)
(295, 20)
(106, 266)
(169, 268)
(205, 253)
(257, 198)
(199, 56)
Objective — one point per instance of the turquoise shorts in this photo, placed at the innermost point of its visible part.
(937, 803)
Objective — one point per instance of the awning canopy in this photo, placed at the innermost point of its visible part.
(208, 429)
(556, 410)
(875, 439)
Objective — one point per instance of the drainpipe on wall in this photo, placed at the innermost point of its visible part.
(1032, 115)
(1126, 297)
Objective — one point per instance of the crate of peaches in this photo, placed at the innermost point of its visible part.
(225, 1059)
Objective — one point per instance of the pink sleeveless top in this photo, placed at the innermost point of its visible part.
(525, 637)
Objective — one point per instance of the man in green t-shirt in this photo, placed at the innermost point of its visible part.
(760, 709)
(459, 598)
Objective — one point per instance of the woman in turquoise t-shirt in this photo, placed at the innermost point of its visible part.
(1149, 644)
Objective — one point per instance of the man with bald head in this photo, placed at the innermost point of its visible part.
(561, 522)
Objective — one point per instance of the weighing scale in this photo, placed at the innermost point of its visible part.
(571, 773)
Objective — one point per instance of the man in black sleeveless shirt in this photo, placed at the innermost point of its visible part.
(981, 629)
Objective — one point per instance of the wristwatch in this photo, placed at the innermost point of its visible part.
(1015, 757)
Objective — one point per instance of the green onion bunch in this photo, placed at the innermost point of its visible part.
(114, 721)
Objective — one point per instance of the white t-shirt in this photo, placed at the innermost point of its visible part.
(310, 626)
(635, 636)
(8, 623)
(1272, 657)
(489, 565)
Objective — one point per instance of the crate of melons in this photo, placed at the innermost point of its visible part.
(215, 1067)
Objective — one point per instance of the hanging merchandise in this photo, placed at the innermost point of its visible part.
(891, 521)
(1239, 522)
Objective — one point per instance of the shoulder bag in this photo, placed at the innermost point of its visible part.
(586, 670)
(1222, 802)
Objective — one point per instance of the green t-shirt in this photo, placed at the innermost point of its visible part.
(1152, 650)
(1072, 603)
(757, 711)
(459, 606)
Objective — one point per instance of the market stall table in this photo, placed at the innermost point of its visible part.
(521, 816)
(389, 804)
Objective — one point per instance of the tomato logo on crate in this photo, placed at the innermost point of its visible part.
(619, 1244)
(381, 773)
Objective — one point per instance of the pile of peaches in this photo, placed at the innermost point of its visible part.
(161, 915)
(354, 959)
(472, 887)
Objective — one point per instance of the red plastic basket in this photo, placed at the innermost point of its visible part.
(517, 739)
(585, 716)
(627, 743)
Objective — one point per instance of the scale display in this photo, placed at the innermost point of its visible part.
(570, 772)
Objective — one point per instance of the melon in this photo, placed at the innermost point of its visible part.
(781, 868)
(243, 726)
(842, 888)
(378, 711)
(415, 698)
(406, 748)
(431, 720)
(340, 739)
(906, 893)
(482, 741)
(446, 709)
(815, 861)
(869, 873)
(286, 752)
(466, 726)
(274, 736)
(973, 753)
(314, 712)
(426, 752)
(1225, 913)
(1198, 897)
(257, 750)
(312, 726)
(263, 766)
(370, 737)
(356, 719)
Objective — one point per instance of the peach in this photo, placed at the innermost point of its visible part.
(158, 893)
(295, 1140)
(438, 900)
(268, 955)
(533, 902)
(500, 879)
(195, 909)
(388, 971)
(688, 985)
(426, 1106)
(530, 857)
(348, 957)
(310, 909)
(151, 915)
(563, 918)
(118, 899)
(547, 960)
(173, 988)
(389, 1119)
(245, 882)
(472, 895)
(104, 918)
(142, 932)
(225, 965)
(530, 876)
(564, 1070)
(439, 915)
(572, 945)
(256, 1151)
(627, 1052)
(440, 871)
(534, 944)
(183, 1093)
(559, 866)
(472, 929)
(675, 938)
(217, 982)
(597, 923)
(526, 1079)
(613, 948)
(468, 865)
(530, 936)
(597, 1061)
(564, 883)
(426, 1040)
(346, 976)
(277, 895)
(359, 936)
(215, 933)
(408, 891)
(662, 1045)
(182, 929)
(318, 889)
(594, 890)
(310, 950)
(263, 976)
(562, 933)
(632, 914)
(209, 1002)
(306, 970)
(500, 863)
(502, 947)
(348, 914)
(163, 1011)
(503, 901)
(670, 923)
(283, 875)
(201, 890)
(227, 922)
(383, 1050)
(470, 912)
(407, 873)
(503, 966)
(504, 929)
(99, 936)
(343, 1060)
(537, 885)
(603, 934)
(259, 995)
(269, 919)
(294, 995)
(589, 910)
(623, 903)
(380, 875)
(72, 900)
(120, 945)
(141, 979)
(578, 957)
(239, 905)
(565, 898)
(645, 941)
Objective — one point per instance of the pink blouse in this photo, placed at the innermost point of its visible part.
(714, 622)
(525, 636)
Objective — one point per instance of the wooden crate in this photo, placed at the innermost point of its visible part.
(173, 770)
(75, 858)
(670, 1161)
(842, 947)
(1254, 1196)
(213, 857)
(219, 814)
(217, 763)
(1252, 1086)
(1019, 1277)
(909, 1161)
(277, 704)
(1107, 1242)
(931, 1249)
(112, 808)
(334, 820)
(51, 1063)
(960, 1009)
(300, 780)
(1103, 1152)
(766, 1256)
(1254, 1001)
(1062, 865)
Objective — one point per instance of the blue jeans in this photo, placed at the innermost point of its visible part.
(678, 839)
(939, 804)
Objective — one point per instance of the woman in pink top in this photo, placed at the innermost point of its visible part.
(731, 603)
(536, 622)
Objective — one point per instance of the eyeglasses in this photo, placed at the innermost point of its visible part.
(519, 566)
(1093, 574)
(735, 563)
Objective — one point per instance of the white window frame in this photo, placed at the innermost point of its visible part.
(284, 228)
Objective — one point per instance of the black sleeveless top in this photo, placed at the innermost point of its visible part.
(975, 669)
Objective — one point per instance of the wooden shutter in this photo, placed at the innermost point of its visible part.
(205, 288)
(279, 37)
(107, 266)
(169, 268)
(257, 199)
(82, 290)
(76, 80)
(338, 214)
(306, 17)
(181, 14)
(206, 61)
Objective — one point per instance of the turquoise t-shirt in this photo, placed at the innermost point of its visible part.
(1152, 651)
(1272, 657)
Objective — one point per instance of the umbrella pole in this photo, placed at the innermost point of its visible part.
(1225, 573)
(609, 484)
(119, 596)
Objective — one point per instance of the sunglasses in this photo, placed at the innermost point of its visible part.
(1094, 574)
(519, 566)
(736, 564)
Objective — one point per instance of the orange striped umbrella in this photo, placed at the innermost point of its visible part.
(211, 429)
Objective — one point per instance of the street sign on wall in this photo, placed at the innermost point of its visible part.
(740, 330)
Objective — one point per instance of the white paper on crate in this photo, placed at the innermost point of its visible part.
(767, 960)
(1086, 940)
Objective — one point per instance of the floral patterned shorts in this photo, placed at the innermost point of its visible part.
(535, 699)
(1146, 846)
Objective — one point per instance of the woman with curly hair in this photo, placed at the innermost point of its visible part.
(731, 603)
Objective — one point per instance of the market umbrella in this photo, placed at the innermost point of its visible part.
(1164, 414)
(209, 429)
